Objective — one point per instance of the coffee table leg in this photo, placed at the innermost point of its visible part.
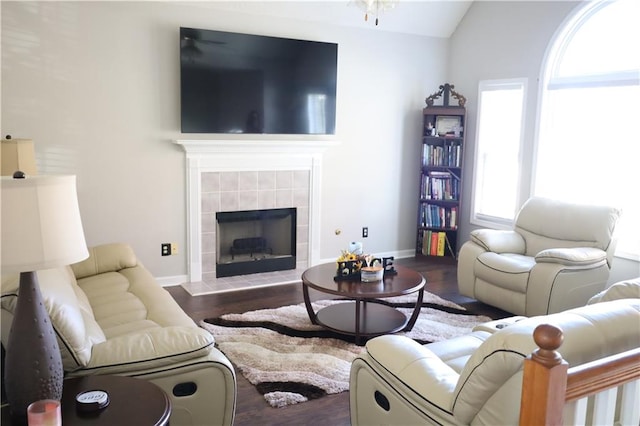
(416, 311)
(307, 302)
(357, 322)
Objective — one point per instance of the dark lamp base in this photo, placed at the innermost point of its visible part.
(33, 365)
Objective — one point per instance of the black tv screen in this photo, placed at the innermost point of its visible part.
(242, 83)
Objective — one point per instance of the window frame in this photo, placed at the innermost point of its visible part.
(550, 81)
(477, 218)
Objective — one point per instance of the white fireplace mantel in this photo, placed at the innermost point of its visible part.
(249, 155)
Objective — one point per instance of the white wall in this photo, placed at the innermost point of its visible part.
(96, 85)
(499, 40)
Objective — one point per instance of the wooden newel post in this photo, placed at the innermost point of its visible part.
(545, 379)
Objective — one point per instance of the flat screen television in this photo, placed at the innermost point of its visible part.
(243, 83)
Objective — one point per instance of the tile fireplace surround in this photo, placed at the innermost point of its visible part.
(230, 175)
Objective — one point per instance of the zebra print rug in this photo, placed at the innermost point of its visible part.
(290, 360)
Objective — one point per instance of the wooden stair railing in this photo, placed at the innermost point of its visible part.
(549, 385)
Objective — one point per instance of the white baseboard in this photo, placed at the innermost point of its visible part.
(171, 281)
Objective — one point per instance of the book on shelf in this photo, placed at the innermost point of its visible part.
(449, 154)
(440, 186)
(426, 242)
(453, 253)
(441, 238)
(453, 222)
(433, 248)
(435, 216)
(435, 243)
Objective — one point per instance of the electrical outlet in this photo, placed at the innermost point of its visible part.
(165, 249)
(365, 231)
(174, 249)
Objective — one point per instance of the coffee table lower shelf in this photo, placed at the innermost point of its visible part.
(374, 319)
(360, 311)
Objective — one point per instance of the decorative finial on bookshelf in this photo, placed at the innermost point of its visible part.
(446, 90)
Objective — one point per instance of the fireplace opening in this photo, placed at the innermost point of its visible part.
(253, 241)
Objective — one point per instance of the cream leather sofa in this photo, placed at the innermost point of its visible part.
(624, 289)
(557, 256)
(477, 379)
(111, 317)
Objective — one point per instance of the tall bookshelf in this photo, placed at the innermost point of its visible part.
(441, 174)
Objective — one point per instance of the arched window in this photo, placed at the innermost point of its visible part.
(589, 138)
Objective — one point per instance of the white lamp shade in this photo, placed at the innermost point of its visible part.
(41, 225)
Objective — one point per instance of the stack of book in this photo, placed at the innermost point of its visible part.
(434, 243)
(439, 185)
(437, 155)
(434, 216)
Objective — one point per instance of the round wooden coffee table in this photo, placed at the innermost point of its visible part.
(356, 317)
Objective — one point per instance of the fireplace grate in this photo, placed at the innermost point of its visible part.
(254, 245)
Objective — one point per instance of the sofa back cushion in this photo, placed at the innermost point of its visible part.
(621, 290)
(491, 381)
(124, 295)
(70, 312)
(144, 326)
(105, 258)
(546, 223)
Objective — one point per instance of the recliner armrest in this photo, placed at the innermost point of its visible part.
(415, 366)
(148, 349)
(499, 241)
(577, 256)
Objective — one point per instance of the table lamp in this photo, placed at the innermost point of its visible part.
(17, 154)
(41, 229)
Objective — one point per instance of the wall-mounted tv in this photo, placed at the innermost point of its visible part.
(243, 83)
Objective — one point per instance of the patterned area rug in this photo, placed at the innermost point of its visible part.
(290, 360)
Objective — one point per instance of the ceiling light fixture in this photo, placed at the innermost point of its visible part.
(374, 7)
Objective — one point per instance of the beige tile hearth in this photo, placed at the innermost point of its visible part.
(211, 284)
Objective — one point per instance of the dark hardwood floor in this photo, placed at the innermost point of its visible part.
(251, 408)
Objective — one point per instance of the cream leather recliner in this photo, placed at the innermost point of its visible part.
(476, 379)
(557, 256)
(112, 317)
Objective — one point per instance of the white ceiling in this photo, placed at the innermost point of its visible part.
(435, 18)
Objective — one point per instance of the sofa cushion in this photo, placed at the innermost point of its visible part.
(578, 256)
(105, 258)
(590, 332)
(70, 312)
(620, 290)
(508, 271)
(148, 349)
(130, 300)
(457, 351)
(499, 241)
(573, 225)
(144, 326)
(117, 310)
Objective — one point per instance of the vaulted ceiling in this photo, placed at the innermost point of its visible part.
(435, 18)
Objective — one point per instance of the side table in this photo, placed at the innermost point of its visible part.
(132, 402)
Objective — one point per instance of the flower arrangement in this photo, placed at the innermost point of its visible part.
(349, 263)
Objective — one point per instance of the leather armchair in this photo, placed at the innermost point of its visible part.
(477, 378)
(112, 317)
(557, 256)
